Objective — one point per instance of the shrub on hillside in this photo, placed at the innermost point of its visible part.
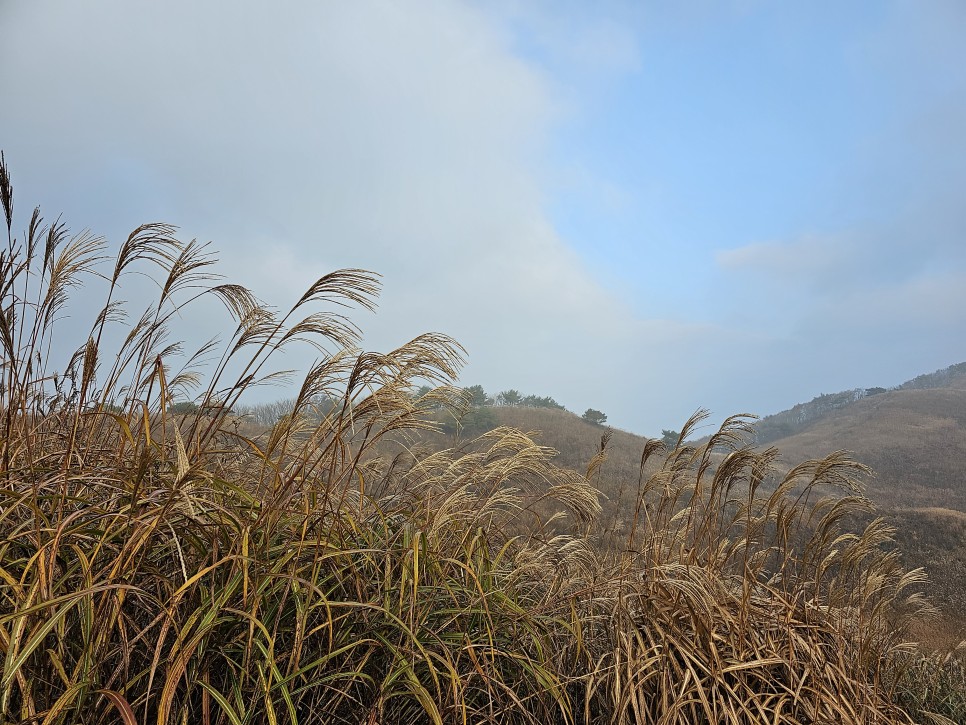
(182, 408)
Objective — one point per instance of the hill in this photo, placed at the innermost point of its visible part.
(912, 436)
(799, 417)
(914, 440)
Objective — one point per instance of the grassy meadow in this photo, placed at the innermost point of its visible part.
(163, 567)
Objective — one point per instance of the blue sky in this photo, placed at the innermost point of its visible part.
(747, 125)
(641, 207)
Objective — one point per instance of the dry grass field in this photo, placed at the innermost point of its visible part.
(913, 439)
(929, 537)
(163, 567)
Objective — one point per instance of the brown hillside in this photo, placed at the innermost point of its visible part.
(913, 438)
(915, 441)
(576, 440)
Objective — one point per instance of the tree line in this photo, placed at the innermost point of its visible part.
(270, 413)
(480, 399)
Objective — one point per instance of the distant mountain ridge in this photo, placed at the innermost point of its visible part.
(797, 418)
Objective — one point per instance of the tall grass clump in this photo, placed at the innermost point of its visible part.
(933, 686)
(753, 600)
(162, 568)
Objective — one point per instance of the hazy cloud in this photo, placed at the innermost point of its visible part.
(810, 258)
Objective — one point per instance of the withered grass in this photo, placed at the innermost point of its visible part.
(172, 569)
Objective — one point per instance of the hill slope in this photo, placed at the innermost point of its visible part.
(799, 417)
(914, 439)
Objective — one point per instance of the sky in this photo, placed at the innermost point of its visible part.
(645, 208)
